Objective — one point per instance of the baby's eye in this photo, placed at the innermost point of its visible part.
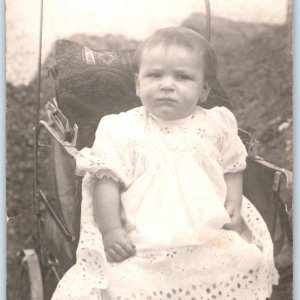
(183, 77)
(154, 75)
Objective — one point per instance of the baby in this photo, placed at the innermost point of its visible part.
(174, 72)
(162, 195)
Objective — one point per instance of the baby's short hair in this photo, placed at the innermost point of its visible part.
(180, 36)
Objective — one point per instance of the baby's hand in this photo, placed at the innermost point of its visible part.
(117, 245)
(234, 211)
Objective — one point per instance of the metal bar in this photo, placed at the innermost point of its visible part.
(35, 203)
(283, 215)
(53, 269)
(39, 66)
(276, 181)
(56, 219)
(35, 200)
(208, 19)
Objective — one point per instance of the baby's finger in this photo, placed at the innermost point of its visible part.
(128, 246)
(108, 257)
(228, 226)
(120, 250)
(114, 256)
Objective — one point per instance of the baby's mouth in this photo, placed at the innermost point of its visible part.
(166, 100)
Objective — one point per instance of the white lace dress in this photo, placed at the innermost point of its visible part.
(173, 193)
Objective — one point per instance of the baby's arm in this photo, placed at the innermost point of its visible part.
(233, 201)
(107, 204)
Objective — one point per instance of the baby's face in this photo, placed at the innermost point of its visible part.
(170, 81)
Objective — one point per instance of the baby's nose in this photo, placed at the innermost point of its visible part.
(167, 83)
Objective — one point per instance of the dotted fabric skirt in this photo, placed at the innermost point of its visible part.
(228, 267)
(216, 270)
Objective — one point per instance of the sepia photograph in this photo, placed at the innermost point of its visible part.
(149, 149)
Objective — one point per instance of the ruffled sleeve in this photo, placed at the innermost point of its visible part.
(110, 154)
(232, 149)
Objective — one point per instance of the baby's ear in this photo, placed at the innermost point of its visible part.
(137, 84)
(205, 91)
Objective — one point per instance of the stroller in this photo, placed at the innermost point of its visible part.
(104, 79)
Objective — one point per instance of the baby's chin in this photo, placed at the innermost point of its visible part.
(169, 115)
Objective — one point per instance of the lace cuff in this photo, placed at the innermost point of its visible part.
(236, 165)
(94, 165)
(232, 149)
